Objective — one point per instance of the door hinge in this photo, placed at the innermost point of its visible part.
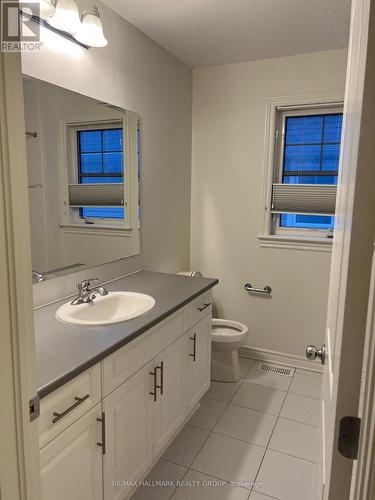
(34, 408)
(348, 444)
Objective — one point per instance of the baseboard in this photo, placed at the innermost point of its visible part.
(280, 358)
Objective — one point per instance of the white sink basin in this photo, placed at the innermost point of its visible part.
(112, 308)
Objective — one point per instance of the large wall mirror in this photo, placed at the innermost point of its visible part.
(83, 174)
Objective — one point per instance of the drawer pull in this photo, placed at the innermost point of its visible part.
(103, 443)
(202, 308)
(194, 353)
(161, 368)
(59, 416)
(154, 393)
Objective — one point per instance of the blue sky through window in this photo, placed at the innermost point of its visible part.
(100, 160)
(311, 156)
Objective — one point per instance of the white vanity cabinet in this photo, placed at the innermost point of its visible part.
(199, 370)
(149, 388)
(145, 412)
(129, 433)
(171, 389)
(71, 464)
(142, 415)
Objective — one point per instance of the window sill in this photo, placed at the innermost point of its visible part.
(316, 244)
(97, 229)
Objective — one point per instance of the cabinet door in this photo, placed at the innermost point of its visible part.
(199, 342)
(170, 409)
(71, 464)
(129, 434)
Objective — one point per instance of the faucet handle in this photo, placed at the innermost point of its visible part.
(86, 283)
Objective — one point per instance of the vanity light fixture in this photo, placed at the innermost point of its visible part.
(62, 17)
(91, 30)
(66, 17)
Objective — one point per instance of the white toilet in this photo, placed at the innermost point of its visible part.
(227, 337)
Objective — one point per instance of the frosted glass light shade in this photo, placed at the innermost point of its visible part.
(91, 29)
(47, 8)
(66, 17)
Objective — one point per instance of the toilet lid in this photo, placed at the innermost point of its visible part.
(228, 331)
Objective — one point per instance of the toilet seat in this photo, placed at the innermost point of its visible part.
(225, 330)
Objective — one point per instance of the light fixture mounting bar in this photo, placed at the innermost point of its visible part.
(68, 36)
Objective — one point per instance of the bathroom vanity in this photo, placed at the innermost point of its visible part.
(113, 397)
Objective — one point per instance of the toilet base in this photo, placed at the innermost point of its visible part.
(225, 365)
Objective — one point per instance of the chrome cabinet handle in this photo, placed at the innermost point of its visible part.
(205, 305)
(194, 354)
(161, 385)
(154, 393)
(59, 416)
(103, 443)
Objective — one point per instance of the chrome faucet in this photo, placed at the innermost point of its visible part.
(38, 276)
(86, 293)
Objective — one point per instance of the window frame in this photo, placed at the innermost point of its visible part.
(302, 239)
(68, 173)
(131, 124)
(75, 216)
(283, 113)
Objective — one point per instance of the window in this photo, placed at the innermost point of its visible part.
(306, 170)
(99, 172)
(100, 160)
(98, 175)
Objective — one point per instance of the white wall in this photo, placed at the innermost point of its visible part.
(229, 106)
(135, 73)
(36, 179)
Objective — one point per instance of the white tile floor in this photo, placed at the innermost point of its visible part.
(252, 440)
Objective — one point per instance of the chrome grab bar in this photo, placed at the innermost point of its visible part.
(267, 290)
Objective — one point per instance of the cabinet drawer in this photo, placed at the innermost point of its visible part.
(64, 406)
(199, 308)
(126, 361)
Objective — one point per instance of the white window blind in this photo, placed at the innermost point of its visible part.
(314, 199)
(96, 195)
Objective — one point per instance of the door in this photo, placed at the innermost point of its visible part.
(351, 257)
(19, 450)
(129, 434)
(171, 378)
(71, 464)
(199, 360)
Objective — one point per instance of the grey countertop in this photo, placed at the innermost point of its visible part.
(64, 351)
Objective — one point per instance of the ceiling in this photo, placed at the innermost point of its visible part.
(212, 32)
